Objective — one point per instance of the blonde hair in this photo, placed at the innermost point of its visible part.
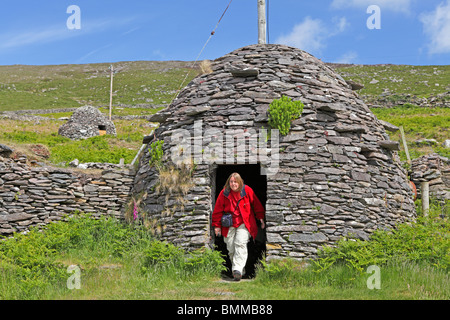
(238, 179)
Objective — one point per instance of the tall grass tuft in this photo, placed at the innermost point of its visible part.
(34, 266)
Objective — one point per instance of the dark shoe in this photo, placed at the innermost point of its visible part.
(237, 275)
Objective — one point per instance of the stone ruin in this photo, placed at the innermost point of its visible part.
(434, 169)
(87, 122)
(335, 174)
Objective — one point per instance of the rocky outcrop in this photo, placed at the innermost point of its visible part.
(389, 100)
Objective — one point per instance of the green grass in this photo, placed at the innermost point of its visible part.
(400, 80)
(95, 149)
(69, 86)
(117, 261)
(23, 135)
(397, 282)
(123, 261)
(418, 123)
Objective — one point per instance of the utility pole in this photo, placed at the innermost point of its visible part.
(262, 25)
(111, 92)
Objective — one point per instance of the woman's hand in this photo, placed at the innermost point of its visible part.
(217, 231)
(263, 225)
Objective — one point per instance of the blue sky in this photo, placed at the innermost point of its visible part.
(36, 33)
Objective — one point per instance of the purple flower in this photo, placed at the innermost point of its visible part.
(135, 211)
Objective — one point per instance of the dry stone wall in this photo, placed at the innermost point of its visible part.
(35, 196)
(434, 169)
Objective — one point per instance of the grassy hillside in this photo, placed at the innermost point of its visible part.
(69, 86)
(402, 88)
(425, 128)
(147, 85)
(396, 82)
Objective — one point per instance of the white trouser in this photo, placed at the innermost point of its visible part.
(236, 242)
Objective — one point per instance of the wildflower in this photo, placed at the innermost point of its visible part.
(135, 211)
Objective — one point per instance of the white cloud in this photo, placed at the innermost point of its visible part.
(348, 57)
(92, 52)
(307, 35)
(392, 5)
(30, 37)
(341, 25)
(56, 33)
(436, 26)
(311, 34)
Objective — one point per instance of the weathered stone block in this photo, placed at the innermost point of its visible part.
(306, 237)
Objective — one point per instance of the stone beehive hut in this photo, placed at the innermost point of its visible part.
(87, 122)
(335, 174)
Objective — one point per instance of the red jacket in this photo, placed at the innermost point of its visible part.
(247, 202)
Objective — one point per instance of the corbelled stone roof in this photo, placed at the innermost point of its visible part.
(85, 123)
(339, 173)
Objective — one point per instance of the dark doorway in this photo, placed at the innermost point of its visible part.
(251, 174)
(101, 130)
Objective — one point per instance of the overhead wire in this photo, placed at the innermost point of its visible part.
(201, 51)
(187, 74)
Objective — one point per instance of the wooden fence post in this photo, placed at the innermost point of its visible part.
(425, 191)
(405, 146)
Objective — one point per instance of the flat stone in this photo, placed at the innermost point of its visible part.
(281, 85)
(18, 217)
(5, 151)
(327, 210)
(10, 176)
(246, 72)
(350, 128)
(389, 126)
(192, 111)
(360, 176)
(244, 100)
(389, 144)
(111, 175)
(274, 237)
(339, 140)
(305, 237)
(202, 100)
(315, 178)
(374, 202)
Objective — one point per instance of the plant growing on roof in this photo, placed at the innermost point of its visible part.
(156, 153)
(282, 111)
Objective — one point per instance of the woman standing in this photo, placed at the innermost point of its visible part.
(241, 201)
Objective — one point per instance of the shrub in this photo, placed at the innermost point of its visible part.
(206, 261)
(282, 111)
(95, 149)
(162, 254)
(156, 153)
(426, 241)
(165, 256)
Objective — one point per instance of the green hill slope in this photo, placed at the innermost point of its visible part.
(415, 97)
(69, 86)
(390, 85)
